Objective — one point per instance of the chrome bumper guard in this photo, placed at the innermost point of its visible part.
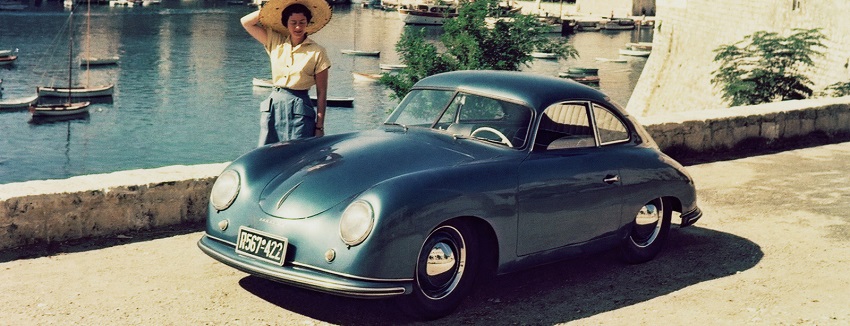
(303, 277)
(691, 217)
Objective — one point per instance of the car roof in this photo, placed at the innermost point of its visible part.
(536, 91)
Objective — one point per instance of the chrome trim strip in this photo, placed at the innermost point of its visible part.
(319, 269)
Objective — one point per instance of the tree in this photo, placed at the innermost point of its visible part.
(472, 42)
(765, 67)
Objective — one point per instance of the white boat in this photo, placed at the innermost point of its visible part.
(616, 60)
(87, 91)
(365, 77)
(7, 53)
(619, 24)
(361, 53)
(257, 82)
(20, 103)
(427, 12)
(635, 53)
(392, 66)
(647, 46)
(544, 55)
(63, 109)
(92, 61)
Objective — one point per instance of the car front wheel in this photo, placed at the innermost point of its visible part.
(444, 271)
(648, 232)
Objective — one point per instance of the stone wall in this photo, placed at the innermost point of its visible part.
(49, 211)
(677, 76)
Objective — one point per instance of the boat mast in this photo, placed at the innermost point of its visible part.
(70, 52)
(87, 56)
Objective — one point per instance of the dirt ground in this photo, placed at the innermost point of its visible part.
(773, 248)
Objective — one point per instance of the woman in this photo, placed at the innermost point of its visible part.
(297, 63)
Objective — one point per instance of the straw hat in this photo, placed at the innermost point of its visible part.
(272, 11)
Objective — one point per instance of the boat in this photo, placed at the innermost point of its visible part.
(93, 61)
(366, 77)
(7, 53)
(392, 66)
(361, 53)
(616, 60)
(71, 91)
(583, 70)
(17, 104)
(544, 55)
(635, 53)
(7, 60)
(427, 12)
(619, 24)
(646, 46)
(62, 109)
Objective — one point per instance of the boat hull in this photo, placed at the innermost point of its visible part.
(60, 109)
(98, 91)
(21, 103)
(417, 17)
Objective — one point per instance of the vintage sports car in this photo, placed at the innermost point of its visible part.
(474, 174)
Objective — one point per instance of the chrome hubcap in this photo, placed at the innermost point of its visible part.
(444, 263)
(647, 224)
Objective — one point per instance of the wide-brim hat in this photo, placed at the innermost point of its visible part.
(272, 11)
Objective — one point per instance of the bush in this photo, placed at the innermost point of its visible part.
(765, 67)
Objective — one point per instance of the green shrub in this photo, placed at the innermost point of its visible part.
(766, 67)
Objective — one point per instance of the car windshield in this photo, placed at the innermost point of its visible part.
(465, 116)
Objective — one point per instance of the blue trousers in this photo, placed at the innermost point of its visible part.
(285, 115)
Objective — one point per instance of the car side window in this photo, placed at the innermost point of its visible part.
(564, 125)
(610, 128)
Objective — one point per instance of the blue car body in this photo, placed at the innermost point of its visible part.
(520, 201)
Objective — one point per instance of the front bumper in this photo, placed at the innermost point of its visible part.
(304, 277)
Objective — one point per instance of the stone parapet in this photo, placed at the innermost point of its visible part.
(711, 131)
(49, 211)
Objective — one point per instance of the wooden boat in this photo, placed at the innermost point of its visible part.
(7, 60)
(361, 53)
(90, 91)
(619, 24)
(427, 12)
(392, 66)
(92, 61)
(544, 55)
(62, 109)
(366, 77)
(635, 53)
(616, 60)
(646, 46)
(17, 104)
(583, 71)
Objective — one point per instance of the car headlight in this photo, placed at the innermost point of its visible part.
(225, 190)
(356, 222)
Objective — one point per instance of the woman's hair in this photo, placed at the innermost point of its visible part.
(295, 9)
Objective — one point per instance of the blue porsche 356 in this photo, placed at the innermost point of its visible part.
(474, 174)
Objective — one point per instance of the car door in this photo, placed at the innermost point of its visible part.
(568, 185)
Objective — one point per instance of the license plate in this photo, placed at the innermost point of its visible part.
(261, 245)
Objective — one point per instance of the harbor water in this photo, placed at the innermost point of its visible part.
(183, 92)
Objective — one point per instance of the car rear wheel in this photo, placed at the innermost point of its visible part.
(444, 271)
(648, 232)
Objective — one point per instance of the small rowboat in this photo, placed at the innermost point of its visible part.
(60, 109)
(7, 60)
(21, 103)
(96, 91)
(362, 53)
(544, 55)
(365, 77)
(99, 61)
(388, 66)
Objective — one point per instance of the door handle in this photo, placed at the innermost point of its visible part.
(610, 179)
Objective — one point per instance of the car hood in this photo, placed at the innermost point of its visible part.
(319, 174)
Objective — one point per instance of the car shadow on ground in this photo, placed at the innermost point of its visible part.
(555, 293)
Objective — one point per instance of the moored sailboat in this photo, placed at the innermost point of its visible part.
(69, 107)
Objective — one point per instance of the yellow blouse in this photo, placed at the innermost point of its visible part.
(295, 67)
